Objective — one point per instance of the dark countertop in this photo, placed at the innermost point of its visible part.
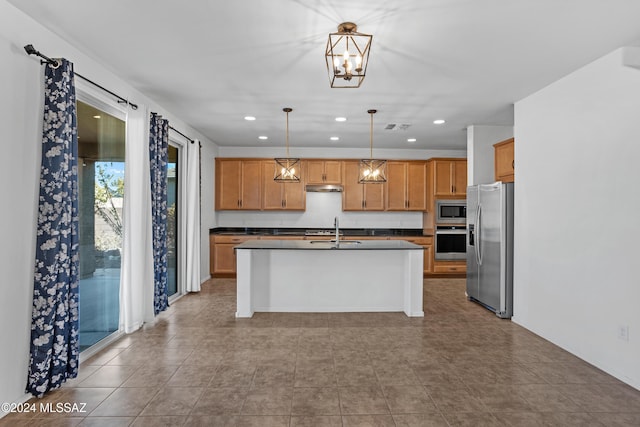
(329, 245)
(257, 231)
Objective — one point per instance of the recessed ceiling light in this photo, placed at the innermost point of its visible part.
(438, 122)
(334, 138)
(411, 140)
(263, 137)
(96, 117)
(341, 119)
(249, 118)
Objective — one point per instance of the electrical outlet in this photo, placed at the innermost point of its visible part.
(623, 332)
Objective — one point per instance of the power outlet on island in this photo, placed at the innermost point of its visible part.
(623, 332)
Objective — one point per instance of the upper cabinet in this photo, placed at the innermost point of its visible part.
(360, 197)
(280, 195)
(238, 184)
(449, 177)
(504, 160)
(406, 186)
(323, 171)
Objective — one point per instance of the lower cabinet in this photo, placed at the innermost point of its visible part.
(450, 267)
(222, 257)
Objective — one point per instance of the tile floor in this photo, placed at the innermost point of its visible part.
(459, 366)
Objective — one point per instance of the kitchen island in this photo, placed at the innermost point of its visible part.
(325, 276)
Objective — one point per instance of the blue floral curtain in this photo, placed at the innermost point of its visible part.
(54, 328)
(158, 151)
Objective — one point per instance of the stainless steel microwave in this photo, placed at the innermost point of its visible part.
(451, 211)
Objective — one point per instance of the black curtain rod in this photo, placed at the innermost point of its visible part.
(32, 51)
(180, 133)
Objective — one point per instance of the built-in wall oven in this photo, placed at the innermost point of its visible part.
(451, 242)
(451, 230)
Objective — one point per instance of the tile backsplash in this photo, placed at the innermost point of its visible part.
(322, 208)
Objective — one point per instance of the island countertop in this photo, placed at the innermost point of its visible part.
(328, 245)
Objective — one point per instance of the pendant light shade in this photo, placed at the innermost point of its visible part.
(287, 168)
(347, 56)
(372, 171)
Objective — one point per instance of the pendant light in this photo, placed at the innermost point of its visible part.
(287, 168)
(347, 56)
(372, 171)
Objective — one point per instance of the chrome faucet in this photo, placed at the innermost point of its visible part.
(336, 224)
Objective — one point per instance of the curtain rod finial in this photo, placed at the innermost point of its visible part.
(30, 49)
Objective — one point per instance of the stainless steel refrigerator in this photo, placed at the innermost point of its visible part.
(490, 247)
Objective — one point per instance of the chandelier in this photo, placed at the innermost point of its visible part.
(287, 168)
(347, 56)
(372, 171)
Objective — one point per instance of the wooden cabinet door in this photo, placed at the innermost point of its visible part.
(228, 182)
(272, 191)
(442, 178)
(450, 178)
(224, 258)
(373, 196)
(416, 186)
(238, 184)
(280, 195)
(396, 186)
(324, 171)
(333, 171)
(504, 160)
(294, 196)
(428, 259)
(353, 193)
(315, 171)
(211, 254)
(251, 191)
(459, 173)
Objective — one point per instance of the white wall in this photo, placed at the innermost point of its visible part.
(208, 215)
(21, 79)
(576, 206)
(480, 151)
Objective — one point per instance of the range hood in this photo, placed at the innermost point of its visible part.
(324, 188)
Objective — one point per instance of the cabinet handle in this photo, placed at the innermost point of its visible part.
(513, 164)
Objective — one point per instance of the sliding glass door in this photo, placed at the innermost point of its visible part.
(101, 152)
(173, 220)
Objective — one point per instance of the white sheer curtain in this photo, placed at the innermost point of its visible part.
(136, 277)
(192, 217)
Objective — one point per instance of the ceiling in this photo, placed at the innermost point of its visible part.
(213, 62)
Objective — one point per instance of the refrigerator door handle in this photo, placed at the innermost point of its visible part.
(479, 234)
